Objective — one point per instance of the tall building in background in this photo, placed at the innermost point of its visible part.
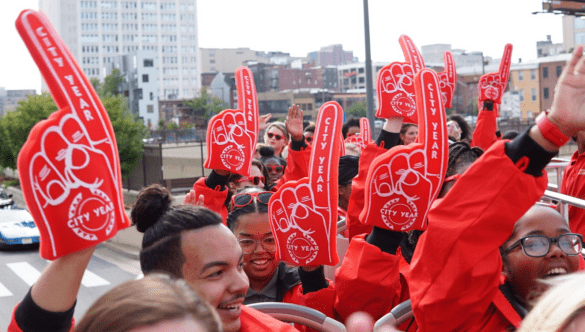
(98, 31)
(332, 55)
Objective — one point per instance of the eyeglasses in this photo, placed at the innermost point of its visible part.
(254, 179)
(309, 139)
(539, 245)
(243, 199)
(276, 137)
(278, 169)
(249, 245)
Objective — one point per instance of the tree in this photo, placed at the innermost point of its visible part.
(206, 106)
(15, 127)
(357, 110)
(111, 83)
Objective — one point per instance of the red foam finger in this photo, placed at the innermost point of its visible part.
(448, 79)
(307, 235)
(248, 103)
(69, 166)
(229, 146)
(432, 129)
(396, 92)
(492, 85)
(411, 53)
(365, 130)
(402, 183)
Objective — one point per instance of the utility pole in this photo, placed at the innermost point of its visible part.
(369, 86)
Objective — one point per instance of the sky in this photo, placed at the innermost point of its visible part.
(302, 26)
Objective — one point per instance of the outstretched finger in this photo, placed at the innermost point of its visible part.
(432, 126)
(577, 62)
(505, 64)
(411, 53)
(247, 100)
(448, 79)
(365, 130)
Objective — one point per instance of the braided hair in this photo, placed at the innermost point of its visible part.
(461, 156)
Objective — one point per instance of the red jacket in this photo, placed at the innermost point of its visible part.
(484, 134)
(573, 184)
(256, 321)
(456, 268)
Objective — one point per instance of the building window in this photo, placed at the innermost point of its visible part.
(360, 70)
(545, 72)
(533, 92)
(532, 74)
(362, 80)
(148, 62)
(559, 71)
(152, 96)
(150, 108)
(145, 78)
(521, 95)
(545, 93)
(520, 76)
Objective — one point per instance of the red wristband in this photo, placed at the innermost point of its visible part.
(550, 131)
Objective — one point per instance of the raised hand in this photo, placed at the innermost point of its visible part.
(303, 214)
(492, 85)
(69, 166)
(263, 122)
(448, 79)
(232, 134)
(362, 139)
(568, 108)
(294, 122)
(403, 182)
(396, 84)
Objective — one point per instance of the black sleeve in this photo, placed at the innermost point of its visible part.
(388, 241)
(297, 145)
(313, 280)
(214, 180)
(390, 139)
(524, 146)
(32, 318)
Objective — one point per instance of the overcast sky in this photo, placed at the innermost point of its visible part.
(301, 26)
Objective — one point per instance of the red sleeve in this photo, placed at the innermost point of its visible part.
(484, 134)
(213, 198)
(456, 267)
(297, 166)
(256, 321)
(368, 280)
(321, 300)
(356, 200)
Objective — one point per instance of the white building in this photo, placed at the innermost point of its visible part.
(140, 74)
(98, 31)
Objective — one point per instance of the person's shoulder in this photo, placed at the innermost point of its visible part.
(254, 320)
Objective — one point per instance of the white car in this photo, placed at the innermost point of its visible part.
(17, 228)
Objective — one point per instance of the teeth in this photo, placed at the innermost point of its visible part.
(557, 271)
(260, 261)
(230, 308)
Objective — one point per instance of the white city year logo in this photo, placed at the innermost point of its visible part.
(302, 248)
(232, 156)
(91, 215)
(403, 103)
(399, 212)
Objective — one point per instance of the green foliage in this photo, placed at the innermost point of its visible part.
(357, 110)
(172, 126)
(161, 124)
(15, 127)
(111, 82)
(206, 106)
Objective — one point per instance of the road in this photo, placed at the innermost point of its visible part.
(19, 269)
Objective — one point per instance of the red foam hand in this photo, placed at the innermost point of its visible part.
(303, 214)
(448, 79)
(492, 86)
(396, 84)
(403, 182)
(362, 139)
(69, 166)
(232, 134)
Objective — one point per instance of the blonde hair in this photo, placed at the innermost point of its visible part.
(558, 306)
(148, 301)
